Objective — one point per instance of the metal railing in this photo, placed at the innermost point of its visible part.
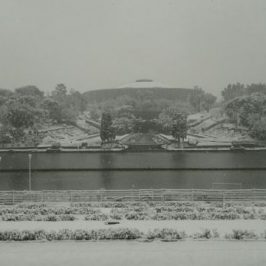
(14, 197)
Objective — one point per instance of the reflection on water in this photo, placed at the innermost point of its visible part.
(128, 179)
(110, 170)
(107, 162)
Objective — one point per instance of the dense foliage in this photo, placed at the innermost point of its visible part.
(66, 234)
(237, 90)
(132, 211)
(107, 132)
(245, 106)
(22, 110)
(143, 111)
(179, 129)
(249, 111)
(163, 234)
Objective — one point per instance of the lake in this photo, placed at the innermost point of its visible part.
(123, 170)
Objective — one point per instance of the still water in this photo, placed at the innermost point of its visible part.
(123, 170)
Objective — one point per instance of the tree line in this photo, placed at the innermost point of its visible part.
(245, 105)
(145, 112)
(176, 126)
(27, 107)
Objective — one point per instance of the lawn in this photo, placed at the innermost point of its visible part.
(189, 226)
(123, 253)
(185, 252)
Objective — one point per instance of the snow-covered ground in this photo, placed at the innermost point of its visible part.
(68, 135)
(211, 126)
(132, 253)
(189, 226)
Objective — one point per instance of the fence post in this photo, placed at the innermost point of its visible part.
(223, 198)
(42, 196)
(192, 196)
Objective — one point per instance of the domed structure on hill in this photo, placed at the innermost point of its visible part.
(133, 89)
(144, 83)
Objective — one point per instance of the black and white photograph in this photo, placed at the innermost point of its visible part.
(132, 132)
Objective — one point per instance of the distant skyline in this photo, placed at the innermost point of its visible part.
(95, 44)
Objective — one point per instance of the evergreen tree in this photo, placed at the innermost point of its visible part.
(179, 129)
(107, 132)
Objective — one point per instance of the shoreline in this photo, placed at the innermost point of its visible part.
(96, 149)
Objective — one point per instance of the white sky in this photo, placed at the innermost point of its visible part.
(92, 44)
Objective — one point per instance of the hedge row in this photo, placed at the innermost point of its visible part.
(44, 210)
(187, 213)
(132, 211)
(66, 234)
(30, 217)
(164, 234)
(128, 214)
